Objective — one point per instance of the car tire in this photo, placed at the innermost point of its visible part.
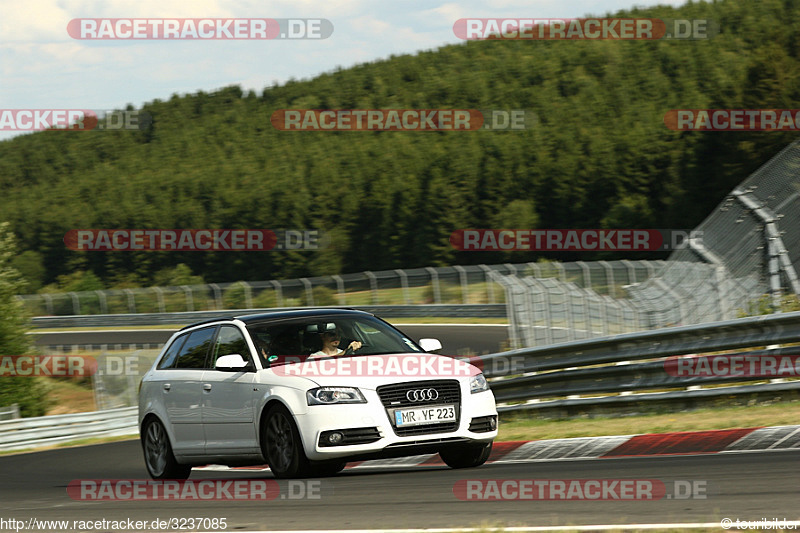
(468, 456)
(283, 448)
(158, 456)
(327, 468)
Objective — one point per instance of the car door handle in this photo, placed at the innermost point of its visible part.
(167, 386)
(207, 387)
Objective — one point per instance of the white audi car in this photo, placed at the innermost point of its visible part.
(306, 391)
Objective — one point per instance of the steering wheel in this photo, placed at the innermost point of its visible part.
(350, 351)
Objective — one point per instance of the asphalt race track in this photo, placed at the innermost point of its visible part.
(463, 339)
(747, 486)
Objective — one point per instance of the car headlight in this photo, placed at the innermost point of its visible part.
(478, 383)
(333, 395)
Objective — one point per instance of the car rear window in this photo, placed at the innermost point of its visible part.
(195, 349)
(168, 361)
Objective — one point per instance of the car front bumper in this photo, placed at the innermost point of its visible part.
(371, 421)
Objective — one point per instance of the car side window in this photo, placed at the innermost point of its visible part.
(195, 349)
(230, 340)
(168, 361)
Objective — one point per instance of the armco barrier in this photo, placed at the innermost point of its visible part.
(155, 319)
(603, 365)
(41, 431)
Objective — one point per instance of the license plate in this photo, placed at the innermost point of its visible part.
(424, 415)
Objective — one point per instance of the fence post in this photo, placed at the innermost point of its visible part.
(404, 284)
(189, 298)
(131, 300)
(548, 317)
(437, 295)
(309, 291)
(278, 291)
(609, 277)
(76, 303)
(101, 295)
(462, 275)
(651, 270)
(248, 294)
(513, 318)
(340, 289)
(604, 328)
(217, 295)
(631, 271)
(373, 286)
(48, 302)
(487, 276)
(162, 305)
(562, 272)
(587, 274)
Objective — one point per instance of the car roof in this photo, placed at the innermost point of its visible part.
(300, 313)
(282, 314)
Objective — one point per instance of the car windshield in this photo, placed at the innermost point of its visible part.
(327, 336)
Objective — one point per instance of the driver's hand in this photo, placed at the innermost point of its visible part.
(355, 345)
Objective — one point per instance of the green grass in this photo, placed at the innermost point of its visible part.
(517, 427)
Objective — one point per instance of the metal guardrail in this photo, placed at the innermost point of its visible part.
(48, 430)
(155, 319)
(603, 365)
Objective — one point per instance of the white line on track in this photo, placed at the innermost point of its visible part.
(593, 527)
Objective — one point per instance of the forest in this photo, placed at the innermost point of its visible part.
(599, 155)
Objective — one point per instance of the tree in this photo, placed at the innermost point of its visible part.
(25, 391)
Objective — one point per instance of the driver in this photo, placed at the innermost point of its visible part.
(330, 344)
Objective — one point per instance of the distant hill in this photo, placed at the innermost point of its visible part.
(599, 156)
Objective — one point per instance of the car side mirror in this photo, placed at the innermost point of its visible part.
(231, 363)
(430, 345)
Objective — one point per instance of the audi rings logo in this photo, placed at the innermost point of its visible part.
(422, 395)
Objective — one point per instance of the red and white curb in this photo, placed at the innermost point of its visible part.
(647, 445)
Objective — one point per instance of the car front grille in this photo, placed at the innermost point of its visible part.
(395, 396)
